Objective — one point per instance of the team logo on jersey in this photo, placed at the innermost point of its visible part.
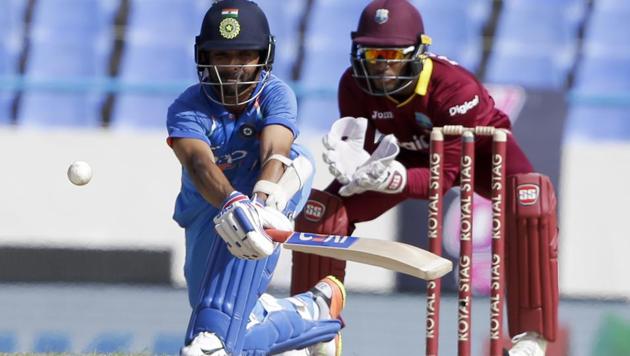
(382, 15)
(314, 211)
(382, 115)
(230, 160)
(229, 28)
(247, 131)
(527, 194)
(423, 121)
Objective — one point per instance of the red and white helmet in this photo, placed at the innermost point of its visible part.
(389, 31)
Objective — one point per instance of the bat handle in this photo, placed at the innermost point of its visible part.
(279, 235)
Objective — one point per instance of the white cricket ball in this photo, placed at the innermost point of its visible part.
(79, 173)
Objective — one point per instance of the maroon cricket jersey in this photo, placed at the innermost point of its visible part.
(446, 94)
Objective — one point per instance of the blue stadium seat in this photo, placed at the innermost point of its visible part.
(328, 46)
(284, 17)
(161, 72)
(317, 112)
(456, 28)
(110, 342)
(540, 26)
(68, 69)
(560, 3)
(8, 341)
(59, 109)
(11, 39)
(598, 123)
(328, 42)
(607, 31)
(467, 55)
(143, 62)
(167, 344)
(52, 342)
(157, 64)
(476, 12)
(599, 74)
(8, 69)
(167, 21)
(531, 69)
(619, 5)
(141, 111)
(73, 18)
(536, 42)
(6, 100)
(69, 52)
(12, 16)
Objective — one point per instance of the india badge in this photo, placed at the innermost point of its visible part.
(229, 26)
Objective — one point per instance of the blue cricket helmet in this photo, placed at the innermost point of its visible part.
(234, 25)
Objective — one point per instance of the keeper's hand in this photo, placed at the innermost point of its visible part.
(343, 147)
(380, 173)
(241, 224)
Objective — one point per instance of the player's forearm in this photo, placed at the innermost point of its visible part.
(275, 140)
(417, 183)
(209, 180)
(272, 171)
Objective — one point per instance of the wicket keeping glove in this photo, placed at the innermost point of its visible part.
(343, 147)
(380, 173)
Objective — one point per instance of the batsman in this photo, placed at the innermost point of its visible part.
(392, 95)
(233, 133)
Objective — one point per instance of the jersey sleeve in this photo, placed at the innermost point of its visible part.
(279, 106)
(183, 122)
(349, 101)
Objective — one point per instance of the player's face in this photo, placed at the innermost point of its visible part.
(236, 69)
(387, 73)
(384, 65)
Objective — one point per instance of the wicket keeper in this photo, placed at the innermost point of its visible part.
(392, 95)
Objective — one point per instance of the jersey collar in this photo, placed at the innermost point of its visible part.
(425, 76)
(423, 83)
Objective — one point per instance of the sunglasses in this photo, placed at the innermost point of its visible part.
(374, 54)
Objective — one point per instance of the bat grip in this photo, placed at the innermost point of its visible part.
(279, 235)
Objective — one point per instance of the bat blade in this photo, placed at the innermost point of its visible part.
(395, 256)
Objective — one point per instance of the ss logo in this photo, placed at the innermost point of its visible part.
(528, 194)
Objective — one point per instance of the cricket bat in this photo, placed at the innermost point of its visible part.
(395, 256)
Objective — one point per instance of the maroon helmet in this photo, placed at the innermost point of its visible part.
(389, 31)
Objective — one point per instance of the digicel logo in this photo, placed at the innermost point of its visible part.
(528, 194)
(463, 108)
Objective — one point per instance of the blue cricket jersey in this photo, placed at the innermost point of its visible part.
(234, 141)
